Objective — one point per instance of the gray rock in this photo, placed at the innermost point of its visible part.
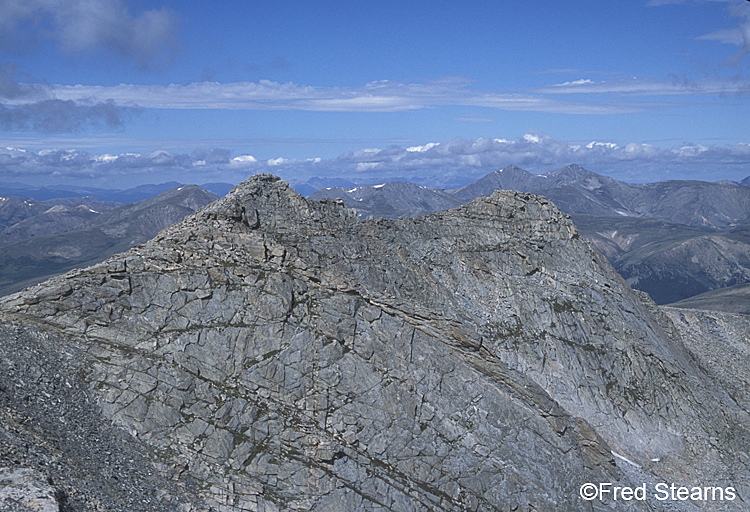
(282, 355)
(26, 490)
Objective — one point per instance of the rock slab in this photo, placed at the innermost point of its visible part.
(272, 353)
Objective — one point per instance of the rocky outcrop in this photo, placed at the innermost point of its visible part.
(57, 452)
(281, 355)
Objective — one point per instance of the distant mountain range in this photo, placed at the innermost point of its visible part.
(391, 200)
(26, 218)
(575, 190)
(41, 239)
(672, 239)
(668, 260)
(129, 195)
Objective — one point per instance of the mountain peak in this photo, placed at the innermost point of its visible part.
(507, 178)
(511, 169)
(392, 200)
(279, 354)
(573, 171)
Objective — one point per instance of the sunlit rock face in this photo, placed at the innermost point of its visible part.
(275, 353)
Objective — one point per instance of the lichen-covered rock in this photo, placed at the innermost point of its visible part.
(285, 356)
(26, 490)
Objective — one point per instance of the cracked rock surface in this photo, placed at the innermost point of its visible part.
(272, 353)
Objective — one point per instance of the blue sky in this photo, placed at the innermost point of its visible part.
(117, 93)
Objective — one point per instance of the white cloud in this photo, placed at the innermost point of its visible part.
(739, 36)
(105, 158)
(366, 166)
(386, 96)
(646, 87)
(601, 145)
(32, 107)
(530, 137)
(148, 37)
(244, 159)
(731, 36)
(575, 82)
(690, 151)
(422, 149)
(446, 164)
(593, 98)
(275, 162)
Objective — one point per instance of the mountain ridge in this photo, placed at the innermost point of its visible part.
(59, 193)
(710, 212)
(391, 200)
(286, 355)
(705, 205)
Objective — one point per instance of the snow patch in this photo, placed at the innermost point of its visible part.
(625, 459)
(379, 186)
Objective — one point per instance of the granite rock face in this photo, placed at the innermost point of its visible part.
(272, 353)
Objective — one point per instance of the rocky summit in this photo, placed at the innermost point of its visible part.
(273, 353)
